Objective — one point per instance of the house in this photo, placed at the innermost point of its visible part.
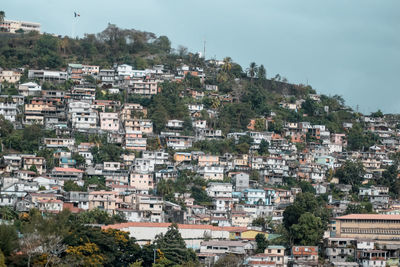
(134, 140)
(82, 116)
(50, 206)
(305, 255)
(240, 180)
(38, 163)
(207, 160)
(104, 200)
(219, 190)
(175, 124)
(182, 157)
(66, 173)
(109, 121)
(179, 142)
(141, 181)
(211, 172)
(9, 76)
(272, 256)
(48, 75)
(29, 89)
(8, 110)
(226, 246)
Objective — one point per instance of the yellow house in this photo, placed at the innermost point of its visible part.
(246, 234)
(181, 156)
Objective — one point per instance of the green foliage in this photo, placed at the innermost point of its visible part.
(351, 173)
(173, 246)
(80, 160)
(262, 243)
(263, 149)
(8, 239)
(106, 152)
(99, 181)
(97, 216)
(389, 179)
(306, 187)
(72, 186)
(33, 169)
(200, 196)
(357, 139)
(362, 208)
(215, 147)
(305, 202)
(308, 231)
(48, 155)
(229, 260)
(168, 105)
(235, 117)
(6, 127)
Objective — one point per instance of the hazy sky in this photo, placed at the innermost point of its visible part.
(350, 48)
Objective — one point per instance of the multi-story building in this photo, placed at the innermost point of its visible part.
(48, 75)
(383, 229)
(16, 26)
(82, 116)
(109, 121)
(10, 76)
(8, 110)
(134, 140)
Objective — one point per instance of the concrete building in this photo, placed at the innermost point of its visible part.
(15, 26)
(383, 229)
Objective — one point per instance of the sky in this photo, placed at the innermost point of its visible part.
(348, 48)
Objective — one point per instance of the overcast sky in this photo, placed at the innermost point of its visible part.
(350, 48)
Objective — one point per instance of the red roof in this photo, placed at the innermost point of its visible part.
(369, 217)
(165, 225)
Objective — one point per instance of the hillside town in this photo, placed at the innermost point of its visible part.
(286, 187)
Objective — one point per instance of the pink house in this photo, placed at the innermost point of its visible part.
(109, 121)
(142, 181)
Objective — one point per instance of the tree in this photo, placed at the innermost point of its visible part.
(305, 202)
(72, 186)
(8, 239)
(362, 208)
(6, 127)
(262, 243)
(227, 66)
(351, 173)
(308, 231)
(229, 260)
(33, 169)
(264, 146)
(252, 70)
(389, 179)
(262, 73)
(357, 139)
(2, 16)
(173, 246)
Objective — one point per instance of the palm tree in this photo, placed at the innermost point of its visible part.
(227, 64)
(262, 73)
(2, 16)
(252, 70)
